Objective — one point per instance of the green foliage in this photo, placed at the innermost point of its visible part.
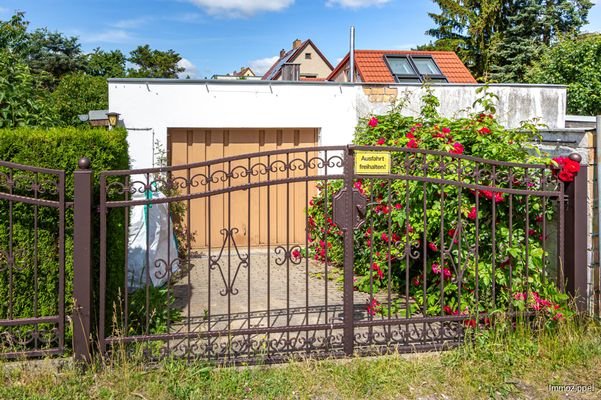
(46, 79)
(435, 239)
(22, 101)
(503, 37)
(57, 149)
(109, 64)
(161, 312)
(77, 94)
(154, 63)
(51, 55)
(574, 62)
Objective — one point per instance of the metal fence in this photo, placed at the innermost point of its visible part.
(32, 261)
(295, 253)
(407, 267)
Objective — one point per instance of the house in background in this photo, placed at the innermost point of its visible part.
(395, 66)
(245, 73)
(304, 62)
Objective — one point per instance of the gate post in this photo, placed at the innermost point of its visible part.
(576, 265)
(349, 253)
(82, 261)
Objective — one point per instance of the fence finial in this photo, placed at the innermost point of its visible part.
(84, 163)
(575, 157)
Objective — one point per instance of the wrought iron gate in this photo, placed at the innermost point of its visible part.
(32, 260)
(374, 251)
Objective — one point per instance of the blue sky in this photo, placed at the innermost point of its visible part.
(219, 36)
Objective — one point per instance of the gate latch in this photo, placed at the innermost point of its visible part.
(354, 217)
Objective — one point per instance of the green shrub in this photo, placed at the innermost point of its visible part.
(434, 240)
(56, 149)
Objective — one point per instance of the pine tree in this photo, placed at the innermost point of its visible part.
(520, 45)
(499, 39)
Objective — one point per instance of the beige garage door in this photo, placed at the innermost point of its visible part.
(272, 214)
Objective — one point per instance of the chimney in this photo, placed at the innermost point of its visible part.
(282, 53)
(296, 44)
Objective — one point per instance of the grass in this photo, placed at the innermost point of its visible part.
(500, 363)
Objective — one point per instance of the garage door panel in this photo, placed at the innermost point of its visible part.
(274, 214)
(216, 203)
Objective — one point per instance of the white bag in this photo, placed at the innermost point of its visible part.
(160, 244)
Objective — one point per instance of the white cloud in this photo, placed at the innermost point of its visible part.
(191, 70)
(241, 8)
(261, 65)
(132, 22)
(356, 3)
(108, 36)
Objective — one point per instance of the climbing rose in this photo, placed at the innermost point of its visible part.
(384, 237)
(412, 144)
(433, 246)
(381, 141)
(471, 323)
(446, 273)
(436, 268)
(372, 307)
(473, 214)
(457, 148)
(296, 254)
(446, 130)
(484, 130)
(410, 136)
(373, 122)
(567, 168)
(376, 267)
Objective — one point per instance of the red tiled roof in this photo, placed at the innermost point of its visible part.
(372, 67)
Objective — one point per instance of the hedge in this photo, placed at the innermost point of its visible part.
(57, 149)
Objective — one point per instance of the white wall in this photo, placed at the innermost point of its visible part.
(333, 108)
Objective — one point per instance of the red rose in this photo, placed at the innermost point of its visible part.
(410, 136)
(457, 148)
(484, 130)
(446, 130)
(571, 166)
(412, 144)
(565, 176)
(433, 246)
(381, 141)
(473, 214)
(373, 122)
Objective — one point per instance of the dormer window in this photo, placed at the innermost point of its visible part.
(414, 69)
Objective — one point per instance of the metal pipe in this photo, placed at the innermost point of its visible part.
(352, 56)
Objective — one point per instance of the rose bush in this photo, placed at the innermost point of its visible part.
(442, 247)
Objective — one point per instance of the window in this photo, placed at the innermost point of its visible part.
(307, 56)
(414, 69)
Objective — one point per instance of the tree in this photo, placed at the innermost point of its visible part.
(13, 34)
(109, 64)
(22, 101)
(491, 35)
(154, 63)
(519, 48)
(52, 55)
(574, 62)
(77, 94)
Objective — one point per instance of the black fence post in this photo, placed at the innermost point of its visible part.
(576, 265)
(82, 262)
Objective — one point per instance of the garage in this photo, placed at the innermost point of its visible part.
(268, 215)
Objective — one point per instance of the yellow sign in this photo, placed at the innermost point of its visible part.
(372, 163)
